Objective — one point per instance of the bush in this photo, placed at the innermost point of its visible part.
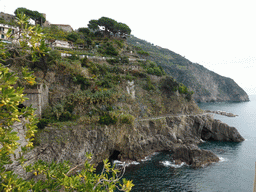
(141, 52)
(127, 119)
(149, 86)
(42, 123)
(169, 84)
(107, 119)
(113, 61)
(55, 55)
(83, 81)
(85, 62)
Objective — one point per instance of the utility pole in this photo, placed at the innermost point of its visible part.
(254, 184)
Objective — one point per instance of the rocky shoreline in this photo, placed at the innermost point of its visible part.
(221, 113)
(178, 134)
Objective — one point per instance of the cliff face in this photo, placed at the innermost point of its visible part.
(179, 134)
(207, 85)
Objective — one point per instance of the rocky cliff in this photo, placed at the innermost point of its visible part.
(178, 134)
(207, 85)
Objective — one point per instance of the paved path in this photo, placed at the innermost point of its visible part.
(168, 115)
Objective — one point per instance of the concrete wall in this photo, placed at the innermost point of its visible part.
(38, 98)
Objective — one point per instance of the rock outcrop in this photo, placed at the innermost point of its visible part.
(193, 155)
(178, 134)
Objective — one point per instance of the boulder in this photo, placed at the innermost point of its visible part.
(193, 156)
(219, 131)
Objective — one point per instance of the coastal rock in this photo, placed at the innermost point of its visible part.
(221, 113)
(193, 156)
(180, 134)
(219, 131)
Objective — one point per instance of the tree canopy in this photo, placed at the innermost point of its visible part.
(108, 26)
(35, 15)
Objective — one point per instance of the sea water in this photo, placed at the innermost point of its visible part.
(234, 172)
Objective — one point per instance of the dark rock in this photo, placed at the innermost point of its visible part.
(193, 156)
(219, 131)
(133, 142)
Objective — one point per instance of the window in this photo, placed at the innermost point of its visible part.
(2, 36)
(1, 29)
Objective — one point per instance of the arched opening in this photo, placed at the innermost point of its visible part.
(206, 134)
(114, 156)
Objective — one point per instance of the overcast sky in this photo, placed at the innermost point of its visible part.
(218, 34)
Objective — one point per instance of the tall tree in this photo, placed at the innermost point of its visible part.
(35, 15)
(108, 26)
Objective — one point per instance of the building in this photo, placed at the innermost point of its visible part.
(61, 44)
(4, 28)
(7, 17)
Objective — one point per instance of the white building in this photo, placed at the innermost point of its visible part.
(62, 44)
(4, 28)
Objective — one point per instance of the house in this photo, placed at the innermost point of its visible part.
(62, 44)
(7, 17)
(4, 28)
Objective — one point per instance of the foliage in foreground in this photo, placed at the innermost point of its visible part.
(47, 176)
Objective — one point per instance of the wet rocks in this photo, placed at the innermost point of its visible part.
(179, 134)
(221, 113)
(193, 155)
(219, 131)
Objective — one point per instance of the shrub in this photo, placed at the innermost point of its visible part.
(107, 119)
(149, 86)
(127, 119)
(85, 62)
(113, 61)
(55, 55)
(83, 81)
(141, 52)
(42, 123)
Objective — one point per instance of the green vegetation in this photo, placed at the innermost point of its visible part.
(35, 15)
(109, 26)
(46, 176)
(92, 92)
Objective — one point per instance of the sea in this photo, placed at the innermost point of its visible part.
(234, 172)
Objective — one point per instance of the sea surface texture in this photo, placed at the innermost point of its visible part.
(234, 173)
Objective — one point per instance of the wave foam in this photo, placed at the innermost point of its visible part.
(172, 164)
(222, 159)
(126, 164)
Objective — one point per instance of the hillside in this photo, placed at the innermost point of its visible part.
(206, 85)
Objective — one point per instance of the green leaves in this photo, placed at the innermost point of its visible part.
(61, 176)
(47, 176)
(109, 25)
